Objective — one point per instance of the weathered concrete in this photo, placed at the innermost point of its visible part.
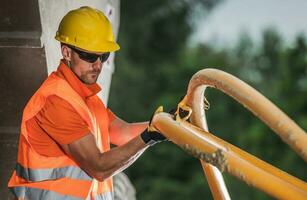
(123, 189)
(19, 23)
(21, 76)
(28, 53)
(23, 68)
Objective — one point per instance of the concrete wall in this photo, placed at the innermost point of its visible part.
(51, 13)
(28, 53)
(23, 68)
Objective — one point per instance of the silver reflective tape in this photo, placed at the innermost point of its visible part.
(53, 173)
(28, 193)
(104, 196)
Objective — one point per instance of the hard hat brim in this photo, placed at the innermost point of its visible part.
(107, 46)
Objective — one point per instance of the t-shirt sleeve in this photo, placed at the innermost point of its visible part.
(111, 115)
(61, 121)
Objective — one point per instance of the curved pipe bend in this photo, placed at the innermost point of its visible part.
(250, 98)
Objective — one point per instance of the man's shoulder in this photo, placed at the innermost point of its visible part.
(58, 91)
(57, 103)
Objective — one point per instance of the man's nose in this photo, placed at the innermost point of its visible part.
(97, 65)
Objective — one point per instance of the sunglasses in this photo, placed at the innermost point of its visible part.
(91, 57)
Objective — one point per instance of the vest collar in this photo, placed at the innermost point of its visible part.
(85, 91)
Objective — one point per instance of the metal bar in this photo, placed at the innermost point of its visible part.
(231, 159)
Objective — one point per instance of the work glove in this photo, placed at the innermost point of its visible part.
(181, 111)
(150, 135)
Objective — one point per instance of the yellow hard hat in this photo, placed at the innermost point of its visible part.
(88, 29)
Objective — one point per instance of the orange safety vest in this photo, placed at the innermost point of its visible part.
(41, 177)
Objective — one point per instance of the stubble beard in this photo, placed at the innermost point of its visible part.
(87, 78)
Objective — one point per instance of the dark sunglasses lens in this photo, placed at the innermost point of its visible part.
(91, 58)
(104, 57)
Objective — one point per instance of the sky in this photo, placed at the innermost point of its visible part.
(231, 17)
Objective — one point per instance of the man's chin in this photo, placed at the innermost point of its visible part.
(89, 82)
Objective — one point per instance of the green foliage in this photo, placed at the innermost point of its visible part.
(153, 35)
(154, 67)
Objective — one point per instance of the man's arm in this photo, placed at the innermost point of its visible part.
(121, 131)
(64, 125)
(104, 165)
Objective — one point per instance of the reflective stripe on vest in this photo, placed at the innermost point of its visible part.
(28, 193)
(49, 174)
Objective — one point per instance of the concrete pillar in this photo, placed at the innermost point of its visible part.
(28, 53)
(23, 68)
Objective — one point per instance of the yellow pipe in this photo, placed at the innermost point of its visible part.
(214, 177)
(225, 156)
(215, 180)
(264, 109)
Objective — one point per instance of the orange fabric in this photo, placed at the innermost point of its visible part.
(85, 91)
(77, 188)
(29, 158)
(58, 122)
(111, 116)
(93, 113)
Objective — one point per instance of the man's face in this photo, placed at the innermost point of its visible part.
(86, 71)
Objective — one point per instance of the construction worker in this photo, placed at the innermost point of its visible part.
(64, 147)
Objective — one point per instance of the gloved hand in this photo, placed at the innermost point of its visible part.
(150, 135)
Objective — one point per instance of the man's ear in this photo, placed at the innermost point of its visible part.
(66, 52)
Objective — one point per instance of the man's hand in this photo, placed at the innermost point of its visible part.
(150, 135)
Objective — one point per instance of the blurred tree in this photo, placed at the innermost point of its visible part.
(277, 72)
(154, 67)
(152, 36)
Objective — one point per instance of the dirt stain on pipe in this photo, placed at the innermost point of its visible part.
(216, 158)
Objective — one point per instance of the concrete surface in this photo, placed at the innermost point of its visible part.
(23, 68)
(28, 53)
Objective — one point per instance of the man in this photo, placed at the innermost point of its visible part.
(64, 148)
